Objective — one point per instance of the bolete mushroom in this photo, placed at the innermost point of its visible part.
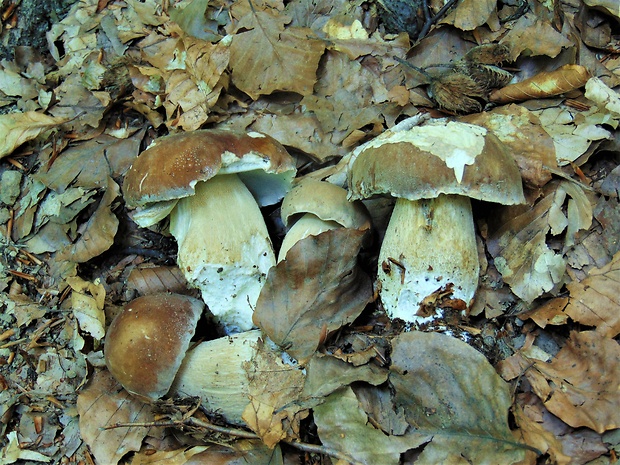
(146, 343)
(313, 207)
(212, 183)
(430, 241)
(146, 350)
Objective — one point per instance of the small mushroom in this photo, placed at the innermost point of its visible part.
(430, 241)
(212, 183)
(146, 350)
(313, 207)
(147, 341)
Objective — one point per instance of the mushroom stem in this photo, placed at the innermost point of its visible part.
(224, 248)
(428, 245)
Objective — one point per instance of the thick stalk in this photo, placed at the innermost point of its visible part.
(224, 248)
(428, 245)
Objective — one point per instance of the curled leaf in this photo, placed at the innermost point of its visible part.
(17, 128)
(151, 280)
(317, 289)
(543, 85)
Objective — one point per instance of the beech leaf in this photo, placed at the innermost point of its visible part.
(580, 384)
(449, 390)
(317, 289)
(17, 128)
(519, 246)
(543, 85)
(269, 57)
(595, 300)
(343, 426)
(104, 403)
(99, 230)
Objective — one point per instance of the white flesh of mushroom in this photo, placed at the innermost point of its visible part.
(428, 245)
(307, 225)
(224, 248)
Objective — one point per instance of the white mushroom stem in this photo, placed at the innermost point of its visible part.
(215, 371)
(307, 225)
(428, 245)
(224, 248)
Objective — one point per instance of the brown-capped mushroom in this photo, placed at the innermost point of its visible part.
(430, 242)
(314, 206)
(146, 343)
(212, 183)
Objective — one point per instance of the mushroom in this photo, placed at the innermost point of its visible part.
(147, 341)
(212, 183)
(313, 207)
(430, 241)
(146, 350)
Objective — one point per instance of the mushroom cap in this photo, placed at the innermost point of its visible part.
(171, 167)
(437, 158)
(147, 341)
(326, 201)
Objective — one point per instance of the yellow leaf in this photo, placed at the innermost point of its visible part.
(17, 128)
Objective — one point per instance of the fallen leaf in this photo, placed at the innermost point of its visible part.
(317, 289)
(18, 128)
(603, 96)
(580, 384)
(105, 403)
(98, 232)
(535, 35)
(573, 131)
(13, 451)
(595, 300)
(344, 427)
(527, 264)
(275, 384)
(469, 14)
(267, 57)
(154, 279)
(543, 85)
(551, 436)
(241, 452)
(87, 301)
(450, 391)
(521, 131)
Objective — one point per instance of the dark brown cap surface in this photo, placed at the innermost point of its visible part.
(147, 341)
(170, 168)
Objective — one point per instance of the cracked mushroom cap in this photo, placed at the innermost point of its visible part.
(437, 158)
(147, 341)
(171, 167)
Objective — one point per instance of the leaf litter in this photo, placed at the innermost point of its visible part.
(322, 78)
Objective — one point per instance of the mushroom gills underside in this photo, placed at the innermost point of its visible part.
(429, 244)
(224, 248)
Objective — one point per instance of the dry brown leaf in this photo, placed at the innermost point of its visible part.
(543, 85)
(469, 14)
(595, 300)
(169, 457)
(580, 384)
(241, 452)
(275, 385)
(552, 436)
(550, 313)
(449, 390)
(154, 279)
(520, 130)
(105, 403)
(268, 57)
(534, 34)
(527, 264)
(97, 234)
(17, 128)
(317, 289)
